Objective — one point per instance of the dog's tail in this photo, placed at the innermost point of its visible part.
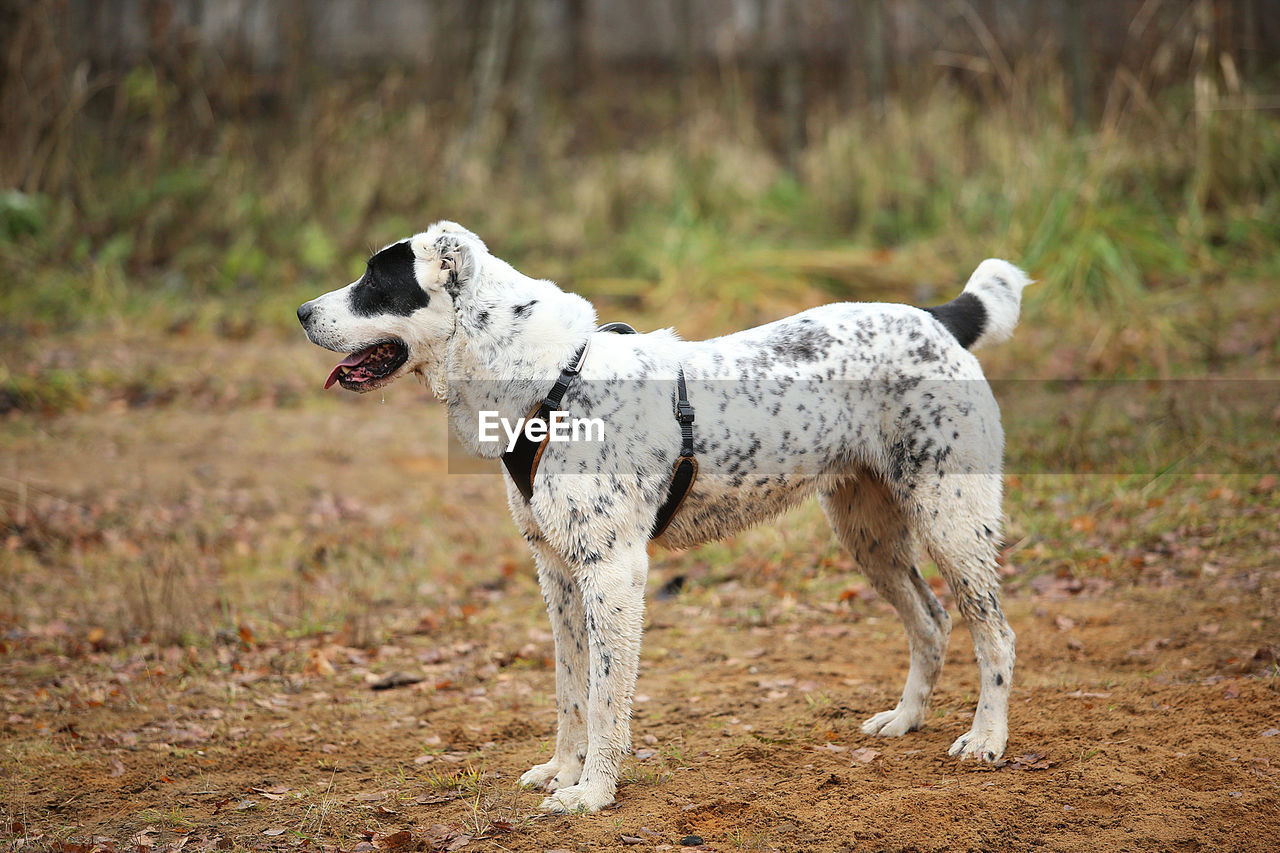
(987, 310)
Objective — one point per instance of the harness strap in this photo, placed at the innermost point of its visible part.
(684, 473)
(523, 459)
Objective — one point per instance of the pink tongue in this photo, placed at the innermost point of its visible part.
(350, 361)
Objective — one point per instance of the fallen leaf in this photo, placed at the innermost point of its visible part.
(276, 793)
(395, 840)
(246, 804)
(1232, 692)
(396, 679)
(1064, 623)
(1083, 524)
(1270, 733)
(318, 663)
(370, 796)
(117, 769)
(274, 832)
(864, 755)
(1031, 761)
(143, 838)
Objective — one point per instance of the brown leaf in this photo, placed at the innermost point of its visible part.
(318, 663)
(1031, 761)
(117, 769)
(394, 841)
(275, 789)
(1083, 524)
(864, 755)
(70, 847)
(1232, 692)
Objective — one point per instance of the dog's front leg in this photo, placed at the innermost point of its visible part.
(613, 603)
(568, 628)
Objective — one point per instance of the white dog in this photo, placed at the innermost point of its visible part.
(878, 409)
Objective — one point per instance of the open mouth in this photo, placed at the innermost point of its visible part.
(367, 369)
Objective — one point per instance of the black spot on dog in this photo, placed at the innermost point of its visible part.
(926, 352)
(794, 346)
(389, 285)
(965, 317)
(522, 311)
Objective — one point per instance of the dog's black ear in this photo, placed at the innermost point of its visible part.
(458, 260)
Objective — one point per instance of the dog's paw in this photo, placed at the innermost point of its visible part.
(553, 775)
(577, 798)
(539, 775)
(894, 723)
(986, 745)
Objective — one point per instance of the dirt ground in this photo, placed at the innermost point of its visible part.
(202, 593)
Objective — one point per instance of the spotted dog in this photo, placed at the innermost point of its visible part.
(878, 409)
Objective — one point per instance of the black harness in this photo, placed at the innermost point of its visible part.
(523, 459)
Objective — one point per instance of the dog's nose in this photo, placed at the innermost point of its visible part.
(304, 312)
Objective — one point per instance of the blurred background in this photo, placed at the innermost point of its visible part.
(737, 156)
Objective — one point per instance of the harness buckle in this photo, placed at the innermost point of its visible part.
(684, 412)
(576, 366)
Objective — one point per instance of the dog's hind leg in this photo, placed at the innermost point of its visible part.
(563, 598)
(964, 543)
(869, 522)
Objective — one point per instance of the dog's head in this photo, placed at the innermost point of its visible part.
(398, 316)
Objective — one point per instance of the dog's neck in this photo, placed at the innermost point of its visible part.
(514, 334)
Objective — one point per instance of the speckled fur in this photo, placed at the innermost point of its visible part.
(874, 408)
